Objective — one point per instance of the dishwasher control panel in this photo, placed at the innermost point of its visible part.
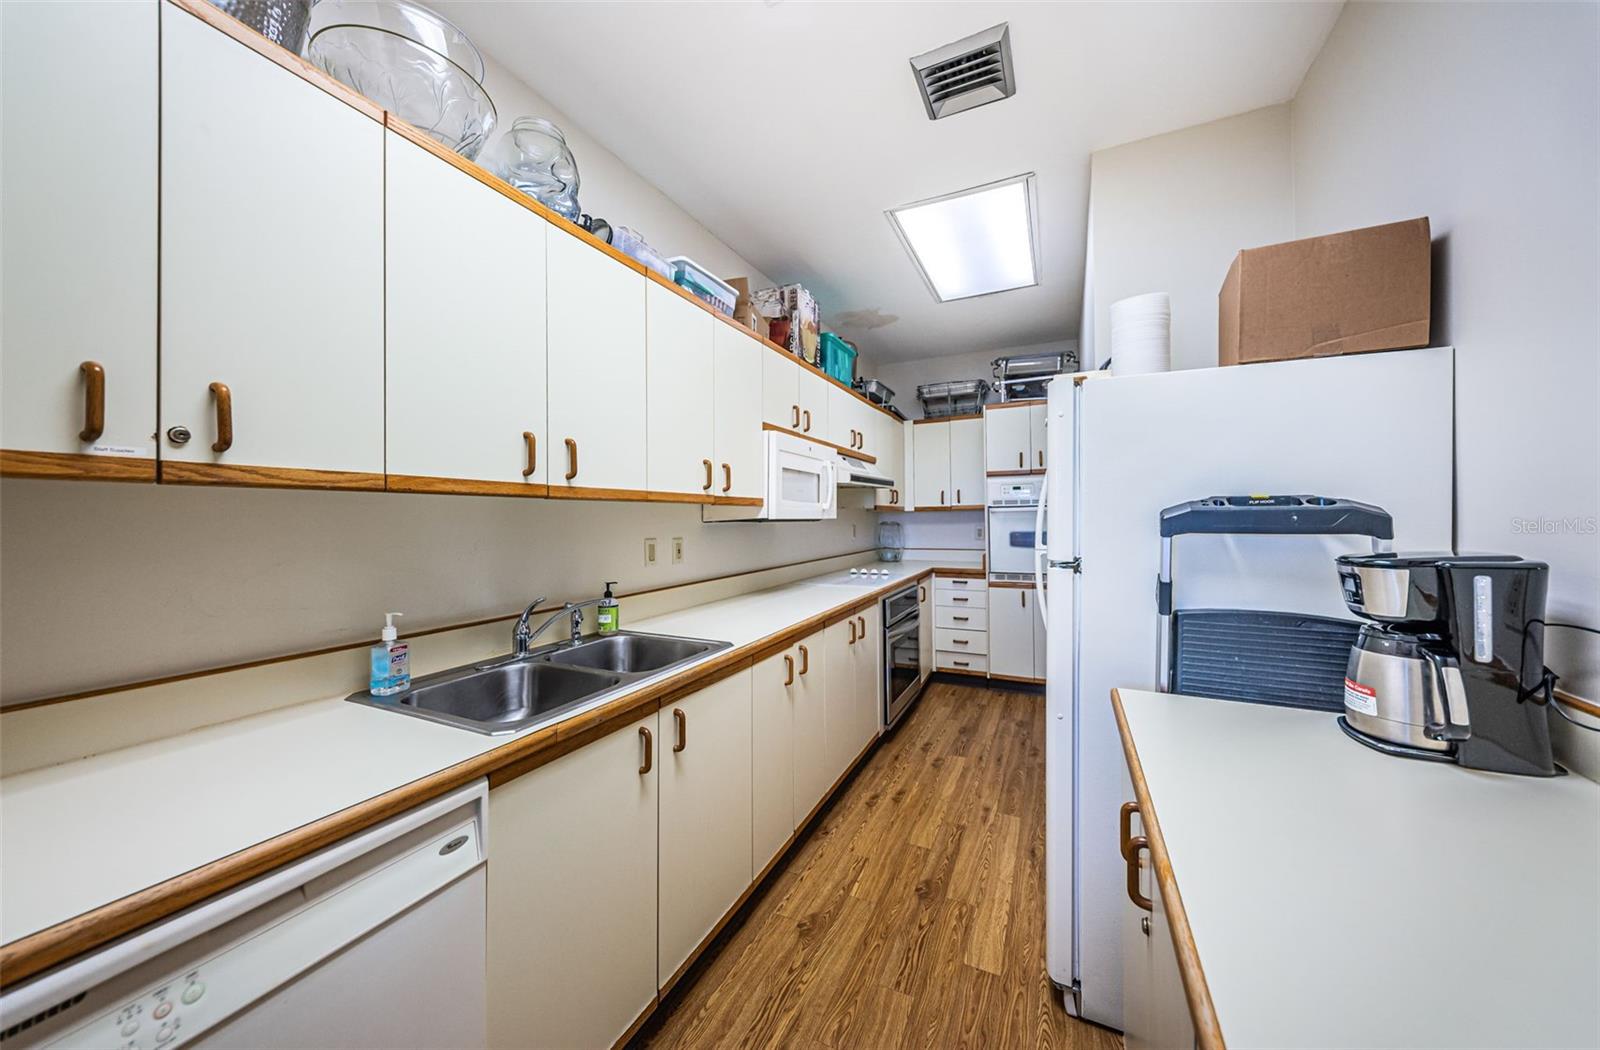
(157, 1019)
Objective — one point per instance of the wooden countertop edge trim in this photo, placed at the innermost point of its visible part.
(971, 574)
(1013, 585)
(1013, 473)
(1202, 1012)
(1026, 403)
(43, 949)
(851, 452)
(75, 466)
(948, 419)
(953, 506)
(171, 472)
(430, 485)
(1577, 703)
(281, 56)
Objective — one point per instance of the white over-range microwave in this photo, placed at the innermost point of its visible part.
(802, 484)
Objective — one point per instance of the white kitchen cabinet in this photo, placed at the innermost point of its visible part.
(1155, 1010)
(780, 390)
(851, 701)
(679, 450)
(79, 85)
(812, 775)
(925, 630)
(1041, 643)
(736, 417)
(814, 397)
(466, 388)
(966, 462)
(1011, 617)
(271, 269)
(596, 325)
(774, 683)
(1037, 415)
(930, 485)
(869, 676)
(891, 460)
(1007, 445)
(705, 815)
(844, 428)
(572, 895)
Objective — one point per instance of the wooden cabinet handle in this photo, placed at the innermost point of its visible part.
(941, 497)
(807, 414)
(852, 624)
(680, 720)
(727, 478)
(922, 593)
(1125, 827)
(649, 751)
(572, 459)
(707, 485)
(961, 663)
(1041, 457)
(805, 660)
(1135, 844)
(533, 453)
(958, 497)
(788, 662)
(94, 401)
(862, 620)
(960, 599)
(1022, 460)
(224, 417)
(796, 416)
(1024, 594)
(961, 641)
(961, 619)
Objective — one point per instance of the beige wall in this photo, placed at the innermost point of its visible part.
(1169, 213)
(1484, 117)
(103, 584)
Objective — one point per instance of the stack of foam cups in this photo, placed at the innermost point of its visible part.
(1141, 334)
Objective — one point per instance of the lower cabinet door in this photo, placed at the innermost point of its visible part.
(925, 631)
(705, 815)
(840, 720)
(572, 895)
(774, 683)
(813, 774)
(1011, 619)
(869, 678)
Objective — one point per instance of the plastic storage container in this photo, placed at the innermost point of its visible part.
(630, 243)
(838, 359)
(697, 280)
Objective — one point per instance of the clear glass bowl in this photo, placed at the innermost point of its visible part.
(534, 157)
(411, 61)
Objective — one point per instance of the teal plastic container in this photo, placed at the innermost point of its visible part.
(838, 358)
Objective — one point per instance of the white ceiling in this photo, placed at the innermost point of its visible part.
(787, 128)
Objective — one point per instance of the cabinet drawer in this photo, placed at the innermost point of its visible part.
(970, 662)
(957, 600)
(963, 584)
(961, 618)
(961, 641)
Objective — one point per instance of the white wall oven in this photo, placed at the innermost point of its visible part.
(1013, 526)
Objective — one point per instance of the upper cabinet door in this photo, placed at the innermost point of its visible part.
(679, 453)
(780, 390)
(271, 270)
(1005, 440)
(815, 395)
(466, 397)
(891, 454)
(844, 429)
(966, 462)
(1037, 414)
(597, 369)
(78, 93)
(737, 383)
(931, 465)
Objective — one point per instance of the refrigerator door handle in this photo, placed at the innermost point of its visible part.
(1041, 551)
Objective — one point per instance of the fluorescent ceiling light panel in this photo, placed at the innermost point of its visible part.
(973, 242)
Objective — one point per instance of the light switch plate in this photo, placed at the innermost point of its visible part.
(650, 550)
(677, 550)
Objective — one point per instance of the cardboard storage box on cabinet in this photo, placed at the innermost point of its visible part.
(1345, 293)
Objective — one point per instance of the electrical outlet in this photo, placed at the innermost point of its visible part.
(677, 550)
(979, 532)
(650, 550)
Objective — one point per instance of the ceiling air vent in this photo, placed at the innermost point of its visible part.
(971, 72)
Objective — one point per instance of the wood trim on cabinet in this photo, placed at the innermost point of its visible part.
(974, 573)
(1024, 679)
(938, 669)
(173, 472)
(1207, 1030)
(75, 466)
(463, 486)
(1012, 473)
(999, 405)
(951, 506)
(948, 419)
(737, 501)
(232, 27)
(852, 453)
(1577, 703)
(559, 491)
(638, 1023)
(1017, 585)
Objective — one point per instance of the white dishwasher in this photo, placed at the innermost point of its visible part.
(376, 941)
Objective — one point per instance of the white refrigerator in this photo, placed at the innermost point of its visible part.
(1377, 428)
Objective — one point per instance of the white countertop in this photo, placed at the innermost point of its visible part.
(1341, 897)
(80, 835)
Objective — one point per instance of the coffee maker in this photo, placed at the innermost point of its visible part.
(1450, 663)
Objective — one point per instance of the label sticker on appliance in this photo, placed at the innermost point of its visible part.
(1358, 697)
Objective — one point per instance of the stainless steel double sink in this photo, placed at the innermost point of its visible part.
(515, 693)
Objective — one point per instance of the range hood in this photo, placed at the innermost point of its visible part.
(854, 474)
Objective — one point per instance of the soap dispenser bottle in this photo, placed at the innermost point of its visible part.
(608, 614)
(391, 661)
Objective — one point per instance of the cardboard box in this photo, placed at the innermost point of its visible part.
(1345, 293)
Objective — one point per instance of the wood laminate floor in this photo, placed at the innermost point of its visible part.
(913, 914)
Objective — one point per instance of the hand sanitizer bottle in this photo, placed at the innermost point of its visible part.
(391, 662)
